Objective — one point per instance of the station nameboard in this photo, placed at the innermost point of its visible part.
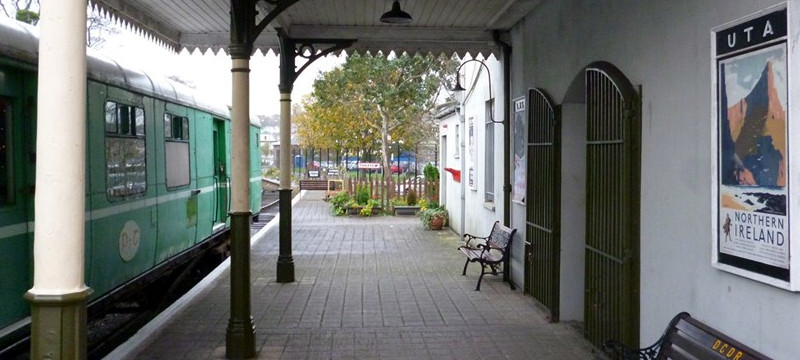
(369, 165)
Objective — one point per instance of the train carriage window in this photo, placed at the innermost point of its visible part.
(176, 138)
(126, 165)
(176, 127)
(111, 117)
(5, 153)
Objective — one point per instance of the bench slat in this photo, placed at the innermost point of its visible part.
(681, 341)
(679, 354)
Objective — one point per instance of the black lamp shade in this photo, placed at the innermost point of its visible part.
(396, 15)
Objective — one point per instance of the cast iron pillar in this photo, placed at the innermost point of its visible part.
(290, 50)
(240, 334)
(58, 296)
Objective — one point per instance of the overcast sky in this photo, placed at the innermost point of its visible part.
(210, 73)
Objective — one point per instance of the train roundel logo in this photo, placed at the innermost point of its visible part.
(129, 239)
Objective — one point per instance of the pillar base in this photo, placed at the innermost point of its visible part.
(240, 339)
(58, 325)
(285, 269)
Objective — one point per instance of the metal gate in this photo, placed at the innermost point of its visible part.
(612, 207)
(543, 245)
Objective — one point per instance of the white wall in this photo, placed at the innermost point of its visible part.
(666, 47)
(573, 215)
(479, 215)
(450, 193)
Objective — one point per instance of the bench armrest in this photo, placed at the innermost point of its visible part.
(620, 351)
(474, 242)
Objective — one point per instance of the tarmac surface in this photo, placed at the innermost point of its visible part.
(378, 287)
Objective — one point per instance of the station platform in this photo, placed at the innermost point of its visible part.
(378, 287)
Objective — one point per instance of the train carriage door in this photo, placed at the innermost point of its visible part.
(221, 177)
(542, 241)
(16, 192)
(611, 309)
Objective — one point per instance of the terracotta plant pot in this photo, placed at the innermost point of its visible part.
(437, 223)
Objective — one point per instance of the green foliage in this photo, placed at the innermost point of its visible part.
(366, 210)
(398, 201)
(272, 172)
(411, 197)
(432, 211)
(369, 98)
(431, 172)
(422, 204)
(27, 16)
(339, 203)
(362, 194)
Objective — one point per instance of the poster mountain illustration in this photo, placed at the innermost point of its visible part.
(753, 136)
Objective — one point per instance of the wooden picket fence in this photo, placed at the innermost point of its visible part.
(387, 189)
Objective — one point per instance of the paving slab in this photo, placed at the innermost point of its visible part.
(377, 287)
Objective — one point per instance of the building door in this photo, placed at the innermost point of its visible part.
(611, 309)
(221, 177)
(542, 241)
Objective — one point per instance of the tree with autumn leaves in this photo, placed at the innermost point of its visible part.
(372, 101)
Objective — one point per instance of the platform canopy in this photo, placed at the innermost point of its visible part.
(438, 26)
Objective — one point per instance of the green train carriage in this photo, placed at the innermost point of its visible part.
(157, 177)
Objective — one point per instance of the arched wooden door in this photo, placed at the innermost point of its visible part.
(543, 245)
(613, 139)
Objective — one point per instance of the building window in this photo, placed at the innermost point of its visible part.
(488, 151)
(176, 145)
(6, 197)
(126, 165)
(457, 151)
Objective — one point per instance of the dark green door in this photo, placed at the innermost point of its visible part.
(543, 245)
(221, 178)
(612, 207)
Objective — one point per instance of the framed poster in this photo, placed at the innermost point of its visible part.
(472, 154)
(752, 232)
(520, 151)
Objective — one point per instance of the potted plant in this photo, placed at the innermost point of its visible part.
(434, 217)
(373, 207)
(339, 203)
(358, 201)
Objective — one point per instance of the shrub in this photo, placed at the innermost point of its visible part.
(411, 197)
(362, 195)
(423, 204)
(339, 203)
(431, 172)
(367, 209)
(398, 201)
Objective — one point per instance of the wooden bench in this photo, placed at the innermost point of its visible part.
(488, 251)
(686, 338)
(318, 184)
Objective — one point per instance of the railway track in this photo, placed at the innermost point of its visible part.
(113, 320)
